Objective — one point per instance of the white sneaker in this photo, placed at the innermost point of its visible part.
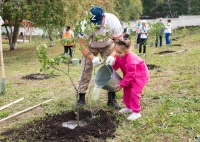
(134, 116)
(125, 110)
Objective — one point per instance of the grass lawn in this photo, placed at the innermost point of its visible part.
(170, 101)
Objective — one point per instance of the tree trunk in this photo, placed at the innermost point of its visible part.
(52, 43)
(9, 33)
(13, 44)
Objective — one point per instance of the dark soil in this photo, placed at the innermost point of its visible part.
(36, 76)
(165, 52)
(152, 66)
(176, 45)
(50, 128)
(175, 39)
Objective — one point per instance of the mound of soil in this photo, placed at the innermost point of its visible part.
(165, 52)
(36, 76)
(152, 66)
(176, 45)
(50, 129)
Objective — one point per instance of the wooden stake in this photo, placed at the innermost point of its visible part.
(25, 110)
(2, 63)
(1, 108)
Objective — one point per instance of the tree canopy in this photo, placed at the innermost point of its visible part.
(170, 8)
(129, 9)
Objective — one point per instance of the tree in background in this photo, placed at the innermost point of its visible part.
(13, 12)
(53, 15)
(170, 8)
(128, 9)
(50, 15)
(194, 7)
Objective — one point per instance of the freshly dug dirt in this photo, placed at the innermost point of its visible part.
(165, 52)
(176, 45)
(152, 66)
(50, 128)
(36, 76)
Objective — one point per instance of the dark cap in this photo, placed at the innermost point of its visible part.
(97, 15)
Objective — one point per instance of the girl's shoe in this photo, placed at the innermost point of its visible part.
(125, 110)
(134, 116)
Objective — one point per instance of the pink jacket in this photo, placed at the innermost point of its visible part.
(134, 70)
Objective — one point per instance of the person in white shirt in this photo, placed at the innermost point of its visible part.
(108, 23)
(144, 31)
(168, 31)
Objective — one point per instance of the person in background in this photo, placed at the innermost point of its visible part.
(127, 31)
(137, 27)
(162, 28)
(135, 77)
(137, 30)
(68, 34)
(103, 47)
(168, 31)
(144, 31)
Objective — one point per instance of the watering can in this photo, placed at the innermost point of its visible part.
(106, 78)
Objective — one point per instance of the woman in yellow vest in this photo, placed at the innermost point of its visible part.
(68, 34)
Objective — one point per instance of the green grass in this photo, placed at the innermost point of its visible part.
(170, 101)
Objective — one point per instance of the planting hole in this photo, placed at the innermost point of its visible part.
(72, 124)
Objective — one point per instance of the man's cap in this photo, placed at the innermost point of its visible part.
(97, 15)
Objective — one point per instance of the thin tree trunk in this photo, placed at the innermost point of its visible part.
(52, 43)
(13, 44)
(9, 33)
(169, 5)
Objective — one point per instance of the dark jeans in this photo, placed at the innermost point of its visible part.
(160, 37)
(142, 42)
(68, 48)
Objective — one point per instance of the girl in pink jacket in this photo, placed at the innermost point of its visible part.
(135, 77)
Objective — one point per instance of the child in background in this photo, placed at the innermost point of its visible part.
(135, 77)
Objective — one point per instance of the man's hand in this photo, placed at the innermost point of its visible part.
(110, 60)
(118, 88)
(96, 61)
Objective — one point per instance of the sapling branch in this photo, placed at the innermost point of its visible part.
(67, 75)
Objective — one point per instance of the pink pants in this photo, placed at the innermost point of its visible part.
(132, 97)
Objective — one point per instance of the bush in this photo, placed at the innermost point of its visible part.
(3, 33)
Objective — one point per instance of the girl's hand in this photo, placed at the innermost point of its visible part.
(118, 88)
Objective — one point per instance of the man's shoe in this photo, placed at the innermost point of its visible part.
(112, 101)
(81, 102)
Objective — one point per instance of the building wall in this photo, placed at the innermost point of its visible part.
(36, 31)
(182, 21)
